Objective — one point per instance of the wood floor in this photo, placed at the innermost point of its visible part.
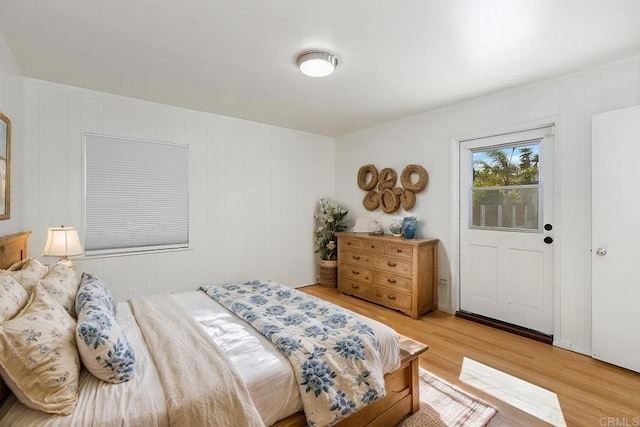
(591, 393)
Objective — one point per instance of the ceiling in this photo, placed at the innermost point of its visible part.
(237, 57)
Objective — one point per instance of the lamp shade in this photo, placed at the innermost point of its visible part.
(63, 241)
(317, 63)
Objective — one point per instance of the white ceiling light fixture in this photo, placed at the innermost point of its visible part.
(317, 63)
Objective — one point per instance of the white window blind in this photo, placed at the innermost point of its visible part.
(136, 195)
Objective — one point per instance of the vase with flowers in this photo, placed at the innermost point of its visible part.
(331, 219)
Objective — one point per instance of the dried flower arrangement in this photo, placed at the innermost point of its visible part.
(332, 218)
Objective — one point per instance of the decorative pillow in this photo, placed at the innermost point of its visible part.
(61, 282)
(94, 291)
(38, 356)
(66, 262)
(13, 297)
(103, 347)
(27, 272)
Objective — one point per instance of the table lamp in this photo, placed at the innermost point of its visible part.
(63, 242)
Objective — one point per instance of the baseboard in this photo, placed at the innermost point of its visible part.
(566, 344)
(446, 309)
(508, 327)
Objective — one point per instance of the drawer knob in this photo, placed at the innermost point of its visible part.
(391, 263)
(356, 257)
(391, 297)
(355, 272)
(399, 250)
(391, 280)
(373, 246)
(355, 286)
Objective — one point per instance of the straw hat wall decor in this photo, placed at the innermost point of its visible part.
(387, 179)
(389, 203)
(371, 200)
(389, 197)
(406, 181)
(367, 172)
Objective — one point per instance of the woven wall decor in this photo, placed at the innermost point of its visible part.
(407, 200)
(367, 172)
(387, 179)
(389, 197)
(389, 203)
(371, 200)
(407, 183)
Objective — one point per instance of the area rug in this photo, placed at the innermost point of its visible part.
(443, 405)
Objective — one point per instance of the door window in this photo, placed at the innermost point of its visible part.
(505, 188)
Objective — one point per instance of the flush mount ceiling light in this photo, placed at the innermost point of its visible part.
(317, 63)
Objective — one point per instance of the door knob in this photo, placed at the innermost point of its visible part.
(548, 227)
(601, 251)
(548, 240)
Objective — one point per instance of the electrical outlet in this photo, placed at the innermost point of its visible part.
(444, 283)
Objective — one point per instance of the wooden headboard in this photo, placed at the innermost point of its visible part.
(13, 248)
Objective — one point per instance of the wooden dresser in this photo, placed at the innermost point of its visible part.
(391, 271)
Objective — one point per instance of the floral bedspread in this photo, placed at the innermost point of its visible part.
(335, 356)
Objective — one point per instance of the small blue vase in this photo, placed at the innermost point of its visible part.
(409, 226)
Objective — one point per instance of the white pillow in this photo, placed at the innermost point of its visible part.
(38, 355)
(13, 297)
(61, 282)
(28, 272)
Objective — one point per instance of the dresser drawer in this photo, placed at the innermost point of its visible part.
(392, 281)
(350, 243)
(399, 250)
(363, 290)
(391, 271)
(373, 246)
(392, 299)
(358, 258)
(394, 265)
(355, 272)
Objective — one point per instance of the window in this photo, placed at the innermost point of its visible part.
(506, 186)
(136, 195)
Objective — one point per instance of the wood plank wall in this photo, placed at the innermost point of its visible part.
(254, 188)
(427, 139)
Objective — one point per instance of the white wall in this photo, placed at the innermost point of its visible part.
(256, 185)
(11, 106)
(426, 139)
(254, 188)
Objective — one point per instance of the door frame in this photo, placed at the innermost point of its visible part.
(455, 212)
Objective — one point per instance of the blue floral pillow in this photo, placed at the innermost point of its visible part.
(94, 292)
(102, 345)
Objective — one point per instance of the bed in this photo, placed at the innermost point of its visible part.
(266, 377)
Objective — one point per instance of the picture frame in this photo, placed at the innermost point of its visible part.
(5, 166)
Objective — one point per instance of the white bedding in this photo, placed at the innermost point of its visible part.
(141, 401)
(142, 398)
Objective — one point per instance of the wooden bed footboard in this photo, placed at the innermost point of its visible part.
(402, 399)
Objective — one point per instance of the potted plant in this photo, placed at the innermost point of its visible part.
(331, 219)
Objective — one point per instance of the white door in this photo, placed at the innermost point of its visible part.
(506, 228)
(615, 235)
